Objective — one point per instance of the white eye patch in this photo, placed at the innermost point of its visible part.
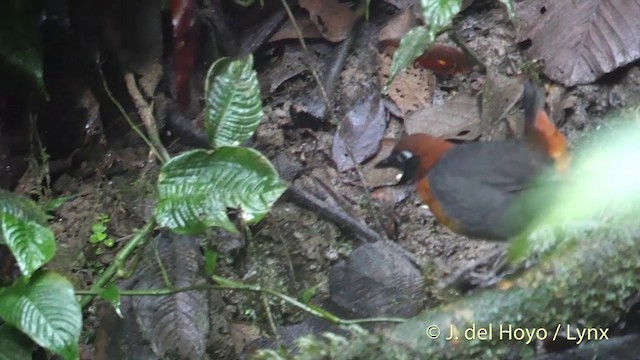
(405, 155)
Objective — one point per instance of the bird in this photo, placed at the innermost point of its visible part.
(492, 190)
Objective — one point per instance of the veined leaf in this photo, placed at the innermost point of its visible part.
(14, 344)
(21, 207)
(32, 244)
(46, 310)
(233, 108)
(111, 294)
(412, 45)
(196, 188)
(438, 14)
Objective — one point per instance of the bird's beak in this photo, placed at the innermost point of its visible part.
(408, 166)
(391, 161)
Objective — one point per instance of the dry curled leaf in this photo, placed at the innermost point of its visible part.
(176, 325)
(377, 279)
(579, 41)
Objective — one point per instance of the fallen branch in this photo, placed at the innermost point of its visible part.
(334, 214)
(146, 115)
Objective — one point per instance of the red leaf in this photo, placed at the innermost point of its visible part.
(185, 44)
(446, 60)
(443, 60)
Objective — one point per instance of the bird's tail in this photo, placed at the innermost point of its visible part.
(540, 131)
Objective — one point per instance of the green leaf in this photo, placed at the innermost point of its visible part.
(46, 310)
(32, 244)
(21, 207)
(412, 45)
(55, 204)
(20, 37)
(210, 260)
(309, 293)
(233, 108)
(111, 294)
(14, 344)
(438, 14)
(196, 188)
(109, 242)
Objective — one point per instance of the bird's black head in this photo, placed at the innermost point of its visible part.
(404, 160)
(415, 155)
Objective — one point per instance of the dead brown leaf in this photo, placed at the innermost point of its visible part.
(292, 63)
(243, 334)
(395, 28)
(392, 194)
(332, 18)
(579, 41)
(446, 60)
(457, 119)
(499, 95)
(361, 132)
(411, 89)
(288, 31)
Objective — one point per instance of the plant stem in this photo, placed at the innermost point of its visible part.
(227, 284)
(139, 239)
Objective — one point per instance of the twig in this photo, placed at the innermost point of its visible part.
(289, 261)
(163, 270)
(367, 190)
(314, 73)
(256, 36)
(342, 203)
(334, 214)
(272, 323)
(122, 111)
(335, 197)
(146, 115)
